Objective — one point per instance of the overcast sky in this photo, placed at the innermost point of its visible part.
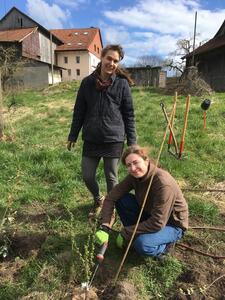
(142, 27)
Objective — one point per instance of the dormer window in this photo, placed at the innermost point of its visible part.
(75, 33)
(85, 33)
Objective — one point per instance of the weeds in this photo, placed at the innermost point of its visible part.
(156, 278)
(82, 257)
(37, 169)
(206, 211)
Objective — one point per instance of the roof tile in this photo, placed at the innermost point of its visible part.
(15, 35)
(75, 39)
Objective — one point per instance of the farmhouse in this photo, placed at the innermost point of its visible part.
(80, 52)
(34, 43)
(51, 56)
(210, 60)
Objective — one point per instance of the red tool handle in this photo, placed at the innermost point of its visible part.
(100, 255)
(170, 139)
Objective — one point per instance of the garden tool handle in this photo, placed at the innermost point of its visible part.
(100, 255)
(185, 125)
(170, 127)
(170, 140)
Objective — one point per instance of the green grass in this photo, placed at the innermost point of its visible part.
(203, 210)
(155, 279)
(40, 178)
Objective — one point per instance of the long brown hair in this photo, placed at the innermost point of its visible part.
(141, 151)
(121, 72)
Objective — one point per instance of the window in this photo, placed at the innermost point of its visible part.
(69, 72)
(78, 72)
(20, 21)
(98, 50)
(65, 60)
(95, 48)
(77, 59)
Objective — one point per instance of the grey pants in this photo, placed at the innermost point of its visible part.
(89, 167)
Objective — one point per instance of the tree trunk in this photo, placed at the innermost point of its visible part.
(1, 110)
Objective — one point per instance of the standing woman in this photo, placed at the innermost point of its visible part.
(104, 111)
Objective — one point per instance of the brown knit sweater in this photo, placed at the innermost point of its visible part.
(165, 202)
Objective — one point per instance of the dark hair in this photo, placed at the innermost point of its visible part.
(141, 151)
(119, 71)
(113, 47)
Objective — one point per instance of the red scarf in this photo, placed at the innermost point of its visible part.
(100, 84)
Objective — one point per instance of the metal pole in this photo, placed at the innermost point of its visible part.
(51, 58)
(192, 63)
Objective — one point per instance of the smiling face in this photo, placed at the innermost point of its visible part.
(136, 165)
(109, 63)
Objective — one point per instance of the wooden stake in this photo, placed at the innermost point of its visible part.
(170, 140)
(185, 125)
(204, 119)
(170, 126)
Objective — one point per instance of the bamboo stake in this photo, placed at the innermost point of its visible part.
(185, 125)
(145, 198)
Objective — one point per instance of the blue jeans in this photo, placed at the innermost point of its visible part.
(152, 244)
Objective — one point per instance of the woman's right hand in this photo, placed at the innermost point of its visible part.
(70, 145)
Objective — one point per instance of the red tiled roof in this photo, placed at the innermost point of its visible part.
(75, 39)
(15, 35)
(216, 42)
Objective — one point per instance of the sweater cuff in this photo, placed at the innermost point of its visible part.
(72, 138)
(126, 234)
(130, 143)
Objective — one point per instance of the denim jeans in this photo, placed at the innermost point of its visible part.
(154, 243)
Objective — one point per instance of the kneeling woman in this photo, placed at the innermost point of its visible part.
(165, 215)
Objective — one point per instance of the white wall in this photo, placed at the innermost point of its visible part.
(86, 66)
(93, 62)
(56, 76)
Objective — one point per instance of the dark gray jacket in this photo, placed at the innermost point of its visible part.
(106, 116)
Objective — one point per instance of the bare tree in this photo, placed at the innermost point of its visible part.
(184, 47)
(174, 62)
(10, 63)
(149, 60)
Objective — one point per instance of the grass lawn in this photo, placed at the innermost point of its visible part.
(46, 243)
